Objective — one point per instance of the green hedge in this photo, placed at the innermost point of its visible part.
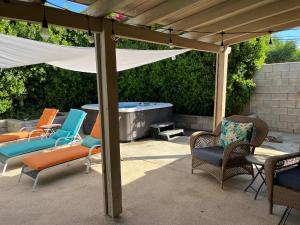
(187, 82)
(27, 90)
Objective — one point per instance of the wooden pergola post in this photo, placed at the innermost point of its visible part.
(109, 110)
(220, 86)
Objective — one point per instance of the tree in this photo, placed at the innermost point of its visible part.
(43, 85)
(283, 51)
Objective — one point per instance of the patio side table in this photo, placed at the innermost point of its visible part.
(258, 161)
(51, 128)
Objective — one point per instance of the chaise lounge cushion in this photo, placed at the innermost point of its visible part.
(26, 147)
(96, 133)
(47, 117)
(90, 141)
(48, 159)
(60, 134)
(289, 178)
(13, 136)
(212, 155)
(73, 121)
(72, 125)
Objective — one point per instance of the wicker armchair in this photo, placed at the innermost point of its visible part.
(222, 163)
(283, 182)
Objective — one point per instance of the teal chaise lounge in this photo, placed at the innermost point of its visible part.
(67, 134)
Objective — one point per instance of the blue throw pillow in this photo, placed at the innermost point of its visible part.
(60, 133)
(90, 141)
(234, 131)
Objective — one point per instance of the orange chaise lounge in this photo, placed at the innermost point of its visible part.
(90, 145)
(46, 118)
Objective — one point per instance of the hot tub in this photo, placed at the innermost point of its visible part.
(135, 118)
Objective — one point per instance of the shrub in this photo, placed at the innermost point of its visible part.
(188, 82)
(25, 91)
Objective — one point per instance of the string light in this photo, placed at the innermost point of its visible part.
(45, 28)
(13, 22)
(44, 31)
(113, 34)
(222, 41)
(170, 38)
(270, 41)
(91, 39)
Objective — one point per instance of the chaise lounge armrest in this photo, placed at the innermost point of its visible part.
(201, 139)
(26, 128)
(33, 132)
(73, 138)
(93, 148)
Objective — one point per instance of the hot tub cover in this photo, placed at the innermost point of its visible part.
(15, 52)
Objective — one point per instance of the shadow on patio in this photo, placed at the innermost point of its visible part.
(158, 188)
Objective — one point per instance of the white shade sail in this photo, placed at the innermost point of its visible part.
(16, 52)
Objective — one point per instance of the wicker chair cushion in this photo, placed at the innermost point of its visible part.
(289, 178)
(234, 131)
(212, 155)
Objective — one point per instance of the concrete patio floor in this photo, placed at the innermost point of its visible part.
(158, 188)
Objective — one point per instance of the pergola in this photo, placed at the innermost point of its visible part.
(202, 25)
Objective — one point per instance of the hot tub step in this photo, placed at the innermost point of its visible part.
(157, 128)
(169, 134)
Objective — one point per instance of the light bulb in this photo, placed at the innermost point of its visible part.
(170, 39)
(114, 38)
(270, 43)
(45, 33)
(91, 39)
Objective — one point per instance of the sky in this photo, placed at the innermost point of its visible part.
(72, 6)
(293, 34)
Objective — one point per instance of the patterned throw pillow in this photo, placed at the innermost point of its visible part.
(234, 131)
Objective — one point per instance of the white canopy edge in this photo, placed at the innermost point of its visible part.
(16, 52)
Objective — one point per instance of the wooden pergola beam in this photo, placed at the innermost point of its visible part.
(216, 13)
(143, 34)
(33, 12)
(162, 11)
(102, 8)
(220, 86)
(35, 1)
(260, 13)
(277, 28)
(259, 25)
(108, 100)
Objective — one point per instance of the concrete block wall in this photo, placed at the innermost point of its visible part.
(13, 125)
(3, 126)
(203, 123)
(277, 96)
